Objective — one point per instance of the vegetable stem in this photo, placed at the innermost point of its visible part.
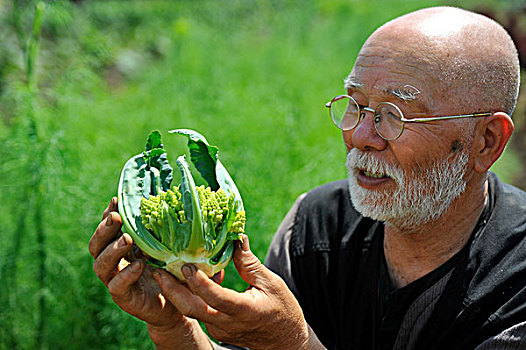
(192, 207)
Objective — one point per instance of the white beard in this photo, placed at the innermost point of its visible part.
(419, 197)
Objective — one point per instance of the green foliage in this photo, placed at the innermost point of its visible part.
(254, 75)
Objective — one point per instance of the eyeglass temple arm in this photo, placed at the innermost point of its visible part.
(418, 120)
(423, 120)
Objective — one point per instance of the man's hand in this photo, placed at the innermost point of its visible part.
(265, 316)
(135, 291)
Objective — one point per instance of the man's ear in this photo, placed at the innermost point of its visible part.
(491, 137)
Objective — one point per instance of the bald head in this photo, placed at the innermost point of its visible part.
(471, 57)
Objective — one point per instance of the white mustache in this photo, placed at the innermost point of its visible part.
(361, 160)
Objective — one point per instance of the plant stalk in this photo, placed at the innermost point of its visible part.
(39, 156)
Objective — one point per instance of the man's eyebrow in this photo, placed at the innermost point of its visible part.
(405, 93)
(352, 83)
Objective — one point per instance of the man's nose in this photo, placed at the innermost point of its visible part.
(364, 136)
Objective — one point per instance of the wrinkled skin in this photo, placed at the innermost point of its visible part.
(132, 288)
(393, 59)
(266, 316)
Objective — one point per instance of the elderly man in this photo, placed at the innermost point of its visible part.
(420, 248)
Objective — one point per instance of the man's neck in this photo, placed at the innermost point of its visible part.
(411, 255)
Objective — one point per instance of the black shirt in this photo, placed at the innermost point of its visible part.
(339, 275)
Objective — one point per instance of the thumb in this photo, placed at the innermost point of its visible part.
(250, 268)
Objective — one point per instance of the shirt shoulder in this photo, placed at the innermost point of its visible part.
(513, 338)
(278, 255)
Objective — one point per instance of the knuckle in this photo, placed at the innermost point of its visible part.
(108, 259)
(99, 272)
(105, 256)
(112, 290)
(253, 264)
(118, 287)
(97, 242)
(115, 292)
(117, 219)
(92, 247)
(96, 268)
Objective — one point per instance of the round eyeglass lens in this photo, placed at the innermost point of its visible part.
(345, 112)
(387, 121)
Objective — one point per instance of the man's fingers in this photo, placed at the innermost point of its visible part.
(106, 263)
(222, 299)
(184, 300)
(111, 207)
(250, 268)
(105, 233)
(120, 286)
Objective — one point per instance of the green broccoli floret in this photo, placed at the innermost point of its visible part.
(151, 214)
(162, 214)
(239, 223)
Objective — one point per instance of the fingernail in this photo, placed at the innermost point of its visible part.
(188, 272)
(245, 246)
(136, 265)
(113, 203)
(109, 220)
(122, 241)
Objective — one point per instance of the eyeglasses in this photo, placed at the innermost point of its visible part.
(389, 120)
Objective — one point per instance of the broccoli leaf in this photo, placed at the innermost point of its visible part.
(204, 158)
(154, 141)
(227, 184)
(156, 157)
(133, 185)
(202, 155)
(153, 153)
(207, 163)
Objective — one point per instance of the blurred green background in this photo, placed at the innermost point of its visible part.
(80, 93)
